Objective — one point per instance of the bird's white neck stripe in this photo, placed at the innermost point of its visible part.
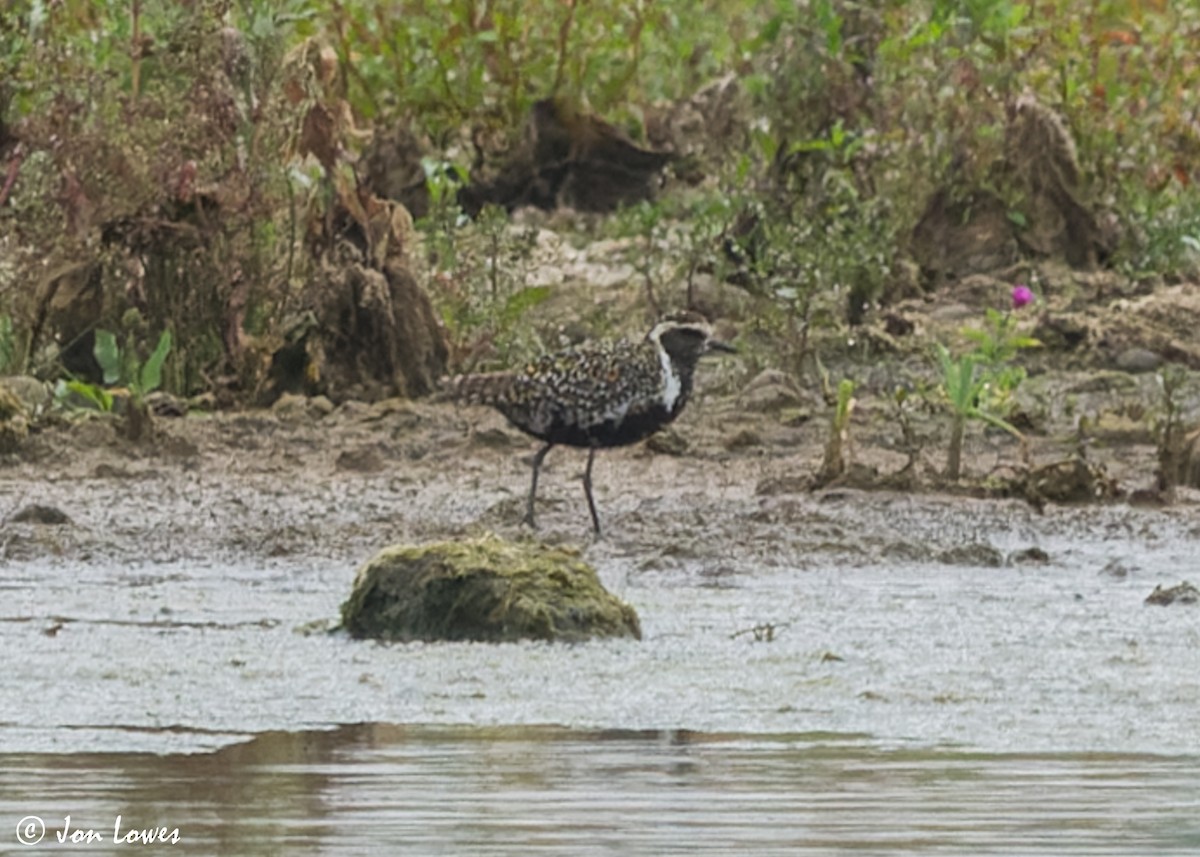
(672, 387)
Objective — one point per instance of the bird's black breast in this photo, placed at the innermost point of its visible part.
(633, 427)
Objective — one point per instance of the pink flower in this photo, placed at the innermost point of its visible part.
(1021, 296)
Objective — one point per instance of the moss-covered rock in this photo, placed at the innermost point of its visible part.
(487, 590)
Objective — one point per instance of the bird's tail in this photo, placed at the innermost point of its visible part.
(485, 388)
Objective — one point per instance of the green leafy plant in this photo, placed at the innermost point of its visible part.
(126, 374)
(997, 344)
(979, 385)
(482, 295)
(1171, 430)
(904, 401)
(647, 221)
(122, 366)
(965, 382)
(833, 464)
(449, 64)
(445, 218)
(8, 343)
(999, 340)
(95, 395)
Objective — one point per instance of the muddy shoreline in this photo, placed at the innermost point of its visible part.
(292, 481)
(188, 601)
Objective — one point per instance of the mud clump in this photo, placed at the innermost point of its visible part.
(972, 233)
(366, 329)
(1043, 165)
(483, 590)
(569, 158)
(14, 427)
(38, 514)
(1029, 556)
(973, 554)
(1183, 593)
(1073, 480)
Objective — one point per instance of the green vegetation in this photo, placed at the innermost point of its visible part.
(836, 446)
(458, 64)
(8, 344)
(122, 368)
(480, 270)
(965, 384)
(206, 163)
(1174, 445)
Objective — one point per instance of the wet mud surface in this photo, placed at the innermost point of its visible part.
(187, 601)
(838, 671)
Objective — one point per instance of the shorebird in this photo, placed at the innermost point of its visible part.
(598, 395)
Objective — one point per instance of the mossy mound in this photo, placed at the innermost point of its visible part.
(486, 590)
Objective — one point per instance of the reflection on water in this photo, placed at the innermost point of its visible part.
(380, 788)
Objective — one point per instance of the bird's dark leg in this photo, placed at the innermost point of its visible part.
(537, 465)
(587, 489)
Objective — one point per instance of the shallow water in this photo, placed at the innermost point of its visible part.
(902, 704)
(514, 790)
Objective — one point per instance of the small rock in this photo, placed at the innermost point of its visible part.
(353, 410)
(165, 405)
(38, 514)
(770, 390)
(905, 552)
(1147, 497)
(1117, 568)
(1073, 480)
(34, 394)
(1063, 332)
(1138, 360)
(795, 417)
(176, 447)
(897, 324)
(975, 553)
(744, 439)
(953, 311)
(399, 412)
(366, 459)
(95, 431)
(294, 408)
(321, 406)
(1183, 593)
(291, 407)
(1029, 556)
(104, 470)
(206, 401)
(1113, 427)
(668, 442)
(496, 438)
(312, 628)
(1105, 381)
(775, 485)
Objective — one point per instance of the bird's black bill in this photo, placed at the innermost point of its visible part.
(718, 345)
